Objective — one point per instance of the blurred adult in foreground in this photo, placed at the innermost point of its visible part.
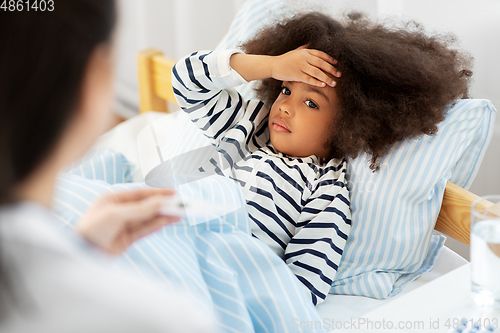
(56, 70)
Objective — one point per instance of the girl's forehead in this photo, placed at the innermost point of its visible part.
(327, 92)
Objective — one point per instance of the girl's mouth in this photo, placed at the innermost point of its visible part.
(280, 126)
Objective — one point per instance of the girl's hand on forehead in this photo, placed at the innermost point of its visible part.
(305, 65)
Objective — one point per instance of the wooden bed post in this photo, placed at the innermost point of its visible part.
(454, 217)
(149, 100)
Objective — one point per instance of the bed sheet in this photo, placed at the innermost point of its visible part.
(210, 256)
(344, 307)
(123, 139)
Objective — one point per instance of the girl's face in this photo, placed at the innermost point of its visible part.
(301, 118)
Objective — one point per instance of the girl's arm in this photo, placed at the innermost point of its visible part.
(203, 84)
(315, 251)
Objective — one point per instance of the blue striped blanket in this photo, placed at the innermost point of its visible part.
(214, 258)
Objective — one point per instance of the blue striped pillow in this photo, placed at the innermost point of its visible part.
(395, 209)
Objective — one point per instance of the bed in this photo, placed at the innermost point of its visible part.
(342, 307)
(397, 245)
(154, 72)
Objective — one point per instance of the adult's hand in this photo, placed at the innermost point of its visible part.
(116, 220)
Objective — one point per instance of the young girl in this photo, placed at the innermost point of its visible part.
(328, 91)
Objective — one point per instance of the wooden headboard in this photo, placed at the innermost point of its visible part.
(155, 81)
(155, 89)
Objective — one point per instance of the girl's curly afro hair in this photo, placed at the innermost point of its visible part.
(396, 83)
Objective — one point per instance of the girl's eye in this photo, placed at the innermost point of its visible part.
(311, 104)
(285, 91)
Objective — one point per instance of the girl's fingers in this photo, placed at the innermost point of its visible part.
(323, 55)
(306, 65)
(311, 80)
(324, 66)
(320, 78)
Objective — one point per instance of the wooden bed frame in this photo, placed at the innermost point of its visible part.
(155, 90)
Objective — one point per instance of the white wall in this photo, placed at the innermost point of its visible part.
(178, 27)
(477, 25)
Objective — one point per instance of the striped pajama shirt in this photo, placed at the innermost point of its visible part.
(297, 206)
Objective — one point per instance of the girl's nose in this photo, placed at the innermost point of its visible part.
(286, 109)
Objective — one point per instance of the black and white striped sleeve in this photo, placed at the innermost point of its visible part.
(314, 252)
(202, 84)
